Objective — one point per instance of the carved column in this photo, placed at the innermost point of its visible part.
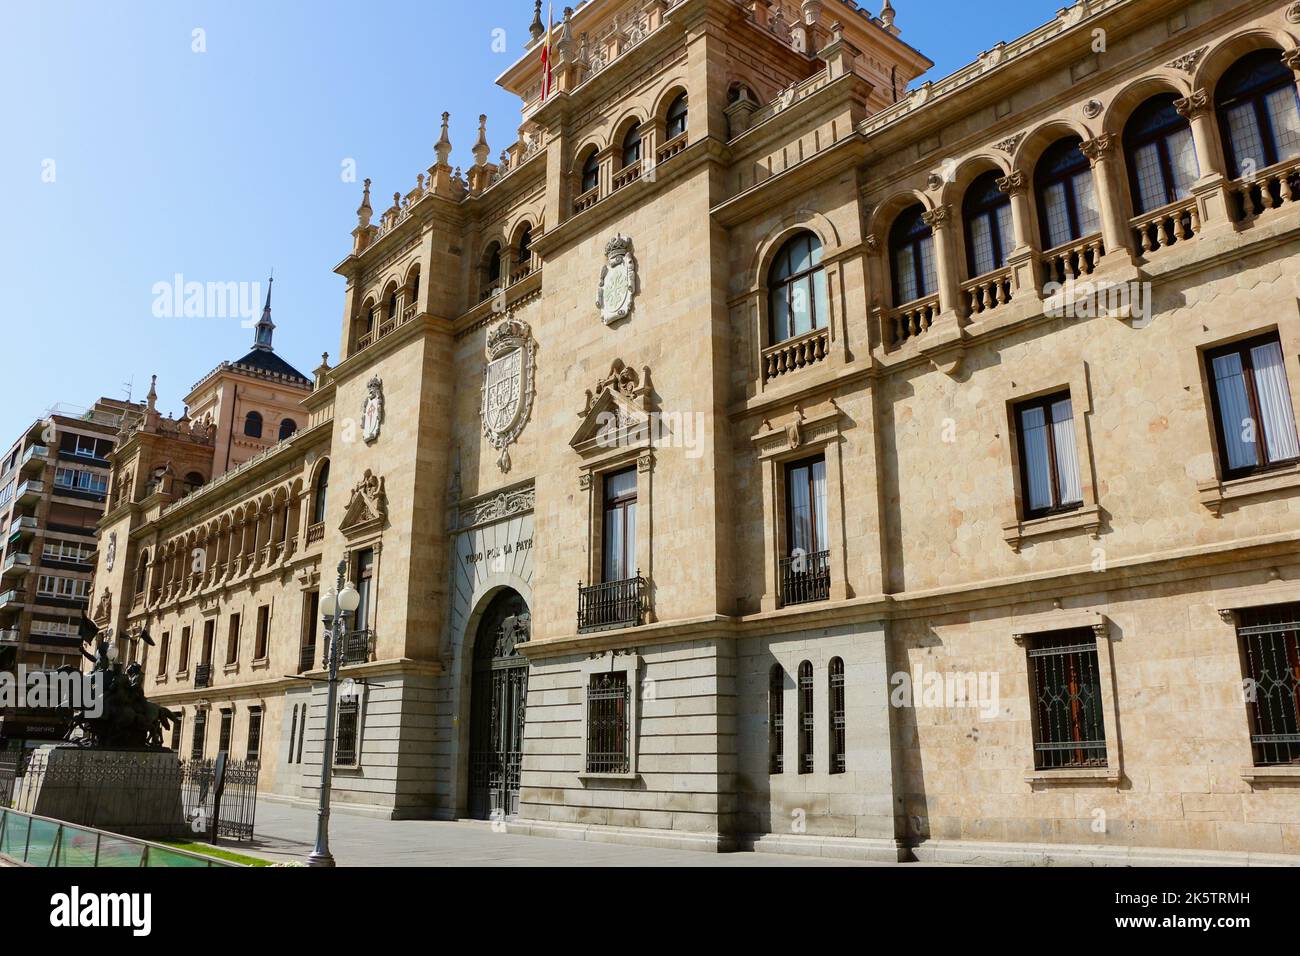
(945, 260)
(1115, 231)
(1025, 274)
(1211, 187)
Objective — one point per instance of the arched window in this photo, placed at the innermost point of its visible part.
(911, 251)
(632, 146)
(1259, 112)
(319, 495)
(371, 317)
(288, 428)
(1067, 201)
(990, 235)
(1160, 153)
(193, 482)
(806, 744)
(391, 308)
(798, 300)
(590, 173)
(141, 572)
(253, 425)
(415, 289)
(493, 263)
(675, 122)
(776, 720)
(836, 699)
(526, 246)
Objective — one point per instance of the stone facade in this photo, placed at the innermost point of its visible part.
(706, 141)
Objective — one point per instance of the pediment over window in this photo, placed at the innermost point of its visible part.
(367, 508)
(617, 412)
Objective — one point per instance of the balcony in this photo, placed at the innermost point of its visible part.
(805, 578)
(670, 149)
(987, 292)
(11, 598)
(911, 320)
(10, 635)
(1073, 260)
(203, 675)
(30, 491)
(17, 563)
(796, 353)
(315, 532)
(357, 647)
(307, 658)
(614, 604)
(21, 528)
(586, 200)
(1271, 188)
(627, 175)
(1166, 226)
(34, 459)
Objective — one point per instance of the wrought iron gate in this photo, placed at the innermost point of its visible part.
(11, 765)
(498, 698)
(220, 797)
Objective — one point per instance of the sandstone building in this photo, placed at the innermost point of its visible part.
(768, 449)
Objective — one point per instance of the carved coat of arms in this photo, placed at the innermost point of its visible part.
(372, 410)
(617, 291)
(507, 386)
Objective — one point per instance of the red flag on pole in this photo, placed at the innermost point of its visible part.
(546, 53)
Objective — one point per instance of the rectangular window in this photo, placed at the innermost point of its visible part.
(345, 747)
(1270, 651)
(619, 527)
(263, 632)
(227, 724)
(254, 752)
(232, 640)
(176, 733)
(164, 648)
(307, 651)
(184, 664)
(293, 732)
(1253, 414)
(200, 731)
(209, 638)
(365, 588)
(805, 571)
(1049, 458)
(608, 744)
(1065, 695)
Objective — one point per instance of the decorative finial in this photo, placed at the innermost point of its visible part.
(443, 147)
(887, 14)
(481, 148)
(536, 29)
(152, 397)
(364, 211)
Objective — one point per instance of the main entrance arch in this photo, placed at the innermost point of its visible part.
(498, 696)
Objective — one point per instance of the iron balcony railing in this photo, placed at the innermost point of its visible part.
(614, 604)
(805, 578)
(307, 658)
(203, 675)
(356, 647)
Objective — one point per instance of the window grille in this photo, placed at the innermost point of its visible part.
(1069, 731)
(607, 723)
(837, 714)
(1270, 647)
(806, 743)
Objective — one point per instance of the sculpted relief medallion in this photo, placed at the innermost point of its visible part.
(507, 386)
(617, 292)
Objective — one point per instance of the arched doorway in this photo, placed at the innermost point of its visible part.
(498, 696)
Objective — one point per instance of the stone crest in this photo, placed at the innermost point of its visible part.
(367, 508)
(372, 411)
(507, 386)
(110, 556)
(617, 292)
